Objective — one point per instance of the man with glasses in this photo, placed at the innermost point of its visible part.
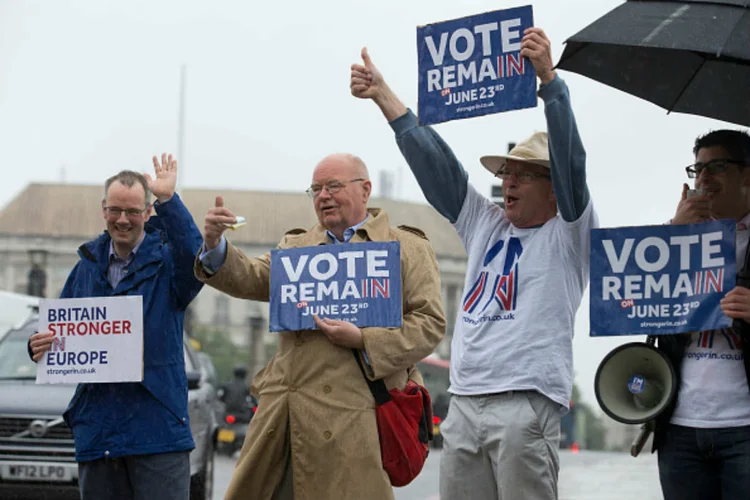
(315, 434)
(511, 355)
(133, 440)
(703, 438)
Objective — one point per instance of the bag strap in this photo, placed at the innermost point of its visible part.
(377, 388)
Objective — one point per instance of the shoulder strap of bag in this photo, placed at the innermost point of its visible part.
(377, 388)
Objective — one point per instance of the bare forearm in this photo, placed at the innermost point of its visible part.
(390, 104)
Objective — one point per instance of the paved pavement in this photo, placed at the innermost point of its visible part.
(585, 475)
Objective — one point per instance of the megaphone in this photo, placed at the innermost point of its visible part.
(635, 383)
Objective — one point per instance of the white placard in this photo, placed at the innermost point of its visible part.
(97, 339)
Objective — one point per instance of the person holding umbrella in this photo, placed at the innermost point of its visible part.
(703, 438)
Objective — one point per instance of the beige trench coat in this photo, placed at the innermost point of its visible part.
(313, 400)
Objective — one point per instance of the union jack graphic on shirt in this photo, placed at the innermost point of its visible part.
(491, 287)
(705, 340)
(734, 340)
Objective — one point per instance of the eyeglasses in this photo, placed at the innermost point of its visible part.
(332, 187)
(116, 212)
(713, 167)
(523, 176)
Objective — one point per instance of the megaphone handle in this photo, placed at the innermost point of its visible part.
(641, 438)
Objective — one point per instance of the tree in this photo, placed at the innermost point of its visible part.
(223, 352)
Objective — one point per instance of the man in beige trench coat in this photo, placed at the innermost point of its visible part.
(314, 436)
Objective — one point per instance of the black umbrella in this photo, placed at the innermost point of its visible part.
(688, 56)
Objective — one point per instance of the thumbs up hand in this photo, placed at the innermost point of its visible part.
(366, 81)
(218, 219)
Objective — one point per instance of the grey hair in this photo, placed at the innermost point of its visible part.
(129, 178)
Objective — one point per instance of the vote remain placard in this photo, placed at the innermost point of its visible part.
(355, 282)
(473, 66)
(661, 279)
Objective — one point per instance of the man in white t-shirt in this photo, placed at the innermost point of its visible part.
(703, 438)
(511, 364)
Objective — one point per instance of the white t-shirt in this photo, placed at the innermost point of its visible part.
(714, 391)
(514, 329)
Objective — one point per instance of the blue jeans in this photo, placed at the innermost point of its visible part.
(705, 464)
(164, 476)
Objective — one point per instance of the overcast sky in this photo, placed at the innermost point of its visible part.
(91, 87)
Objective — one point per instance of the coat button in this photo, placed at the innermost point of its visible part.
(327, 434)
(271, 432)
(106, 453)
(292, 388)
(299, 342)
(327, 389)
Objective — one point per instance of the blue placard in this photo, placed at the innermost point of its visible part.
(355, 282)
(472, 66)
(661, 279)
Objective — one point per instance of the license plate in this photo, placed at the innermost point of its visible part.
(33, 472)
(435, 430)
(226, 436)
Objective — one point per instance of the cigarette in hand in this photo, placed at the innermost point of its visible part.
(240, 222)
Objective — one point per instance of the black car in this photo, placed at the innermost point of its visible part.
(36, 445)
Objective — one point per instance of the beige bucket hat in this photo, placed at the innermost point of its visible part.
(532, 150)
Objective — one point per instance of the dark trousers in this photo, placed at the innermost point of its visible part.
(705, 464)
(162, 476)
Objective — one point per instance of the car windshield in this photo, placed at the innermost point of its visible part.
(15, 363)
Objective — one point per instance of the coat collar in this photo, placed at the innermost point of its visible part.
(97, 251)
(376, 228)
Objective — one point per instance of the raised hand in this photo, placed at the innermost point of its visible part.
(215, 223)
(368, 83)
(536, 46)
(693, 210)
(366, 80)
(163, 185)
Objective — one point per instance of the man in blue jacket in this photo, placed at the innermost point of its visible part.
(511, 367)
(133, 440)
